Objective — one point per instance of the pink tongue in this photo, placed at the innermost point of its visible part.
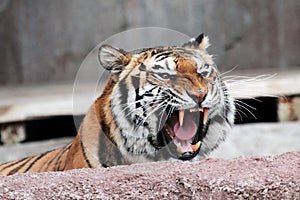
(187, 131)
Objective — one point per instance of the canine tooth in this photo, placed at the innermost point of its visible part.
(205, 115)
(196, 146)
(179, 149)
(181, 117)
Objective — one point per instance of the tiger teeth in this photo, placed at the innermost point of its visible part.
(204, 110)
(205, 115)
(181, 117)
(196, 110)
(196, 146)
(179, 149)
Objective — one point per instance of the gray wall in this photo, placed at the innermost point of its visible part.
(46, 41)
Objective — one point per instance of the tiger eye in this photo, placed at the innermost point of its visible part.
(165, 76)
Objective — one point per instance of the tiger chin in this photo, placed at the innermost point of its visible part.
(161, 103)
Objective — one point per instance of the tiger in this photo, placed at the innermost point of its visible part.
(165, 103)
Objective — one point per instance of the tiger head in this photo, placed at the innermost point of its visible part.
(167, 102)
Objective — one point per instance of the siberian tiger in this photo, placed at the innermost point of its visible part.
(162, 103)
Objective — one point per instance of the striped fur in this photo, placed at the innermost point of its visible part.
(137, 116)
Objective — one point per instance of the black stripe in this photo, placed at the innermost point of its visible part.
(13, 163)
(83, 152)
(15, 170)
(156, 67)
(35, 161)
(174, 95)
(205, 129)
(158, 76)
(162, 56)
(142, 67)
(57, 157)
(136, 84)
(147, 92)
(176, 90)
(167, 65)
(68, 147)
(47, 164)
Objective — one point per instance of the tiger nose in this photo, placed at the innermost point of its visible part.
(199, 95)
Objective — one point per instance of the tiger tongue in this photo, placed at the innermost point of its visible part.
(187, 130)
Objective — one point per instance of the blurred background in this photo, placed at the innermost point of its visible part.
(43, 44)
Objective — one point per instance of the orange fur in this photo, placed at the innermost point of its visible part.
(73, 155)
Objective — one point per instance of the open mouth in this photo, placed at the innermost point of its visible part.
(184, 129)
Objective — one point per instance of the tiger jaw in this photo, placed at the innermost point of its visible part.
(185, 128)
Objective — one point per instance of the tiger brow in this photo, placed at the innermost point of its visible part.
(162, 56)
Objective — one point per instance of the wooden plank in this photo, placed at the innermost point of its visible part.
(29, 102)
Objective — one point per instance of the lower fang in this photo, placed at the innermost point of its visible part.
(179, 149)
(196, 146)
(205, 115)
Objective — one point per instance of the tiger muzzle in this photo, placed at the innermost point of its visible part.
(185, 128)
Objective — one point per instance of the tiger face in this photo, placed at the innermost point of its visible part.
(167, 102)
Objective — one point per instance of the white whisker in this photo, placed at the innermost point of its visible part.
(133, 110)
(244, 107)
(245, 104)
(229, 71)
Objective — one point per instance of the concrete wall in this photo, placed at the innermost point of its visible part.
(46, 41)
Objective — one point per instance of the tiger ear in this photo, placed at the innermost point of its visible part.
(113, 59)
(201, 42)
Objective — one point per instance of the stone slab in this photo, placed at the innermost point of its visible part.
(271, 177)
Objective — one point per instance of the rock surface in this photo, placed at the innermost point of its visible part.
(270, 177)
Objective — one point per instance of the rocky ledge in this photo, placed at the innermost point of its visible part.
(269, 177)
